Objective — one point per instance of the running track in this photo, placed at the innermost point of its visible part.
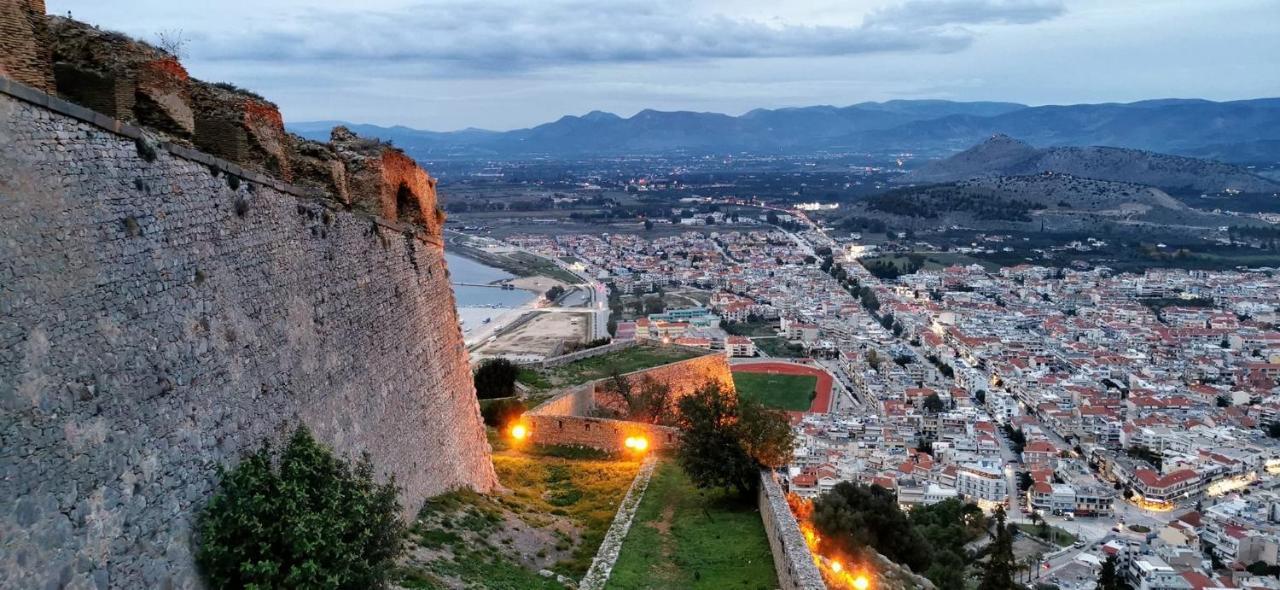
(821, 402)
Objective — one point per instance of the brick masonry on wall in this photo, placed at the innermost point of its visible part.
(565, 419)
(158, 322)
(686, 376)
(24, 54)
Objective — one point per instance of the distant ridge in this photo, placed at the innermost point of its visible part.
(1244, 131)
(1002, 155)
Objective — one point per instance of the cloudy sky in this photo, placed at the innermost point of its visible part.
(503, 64)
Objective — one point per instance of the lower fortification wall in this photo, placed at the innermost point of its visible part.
(158, 317)
(791, 556)
(686, 376)
(566, 418)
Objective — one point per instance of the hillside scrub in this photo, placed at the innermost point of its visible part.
(302, 519)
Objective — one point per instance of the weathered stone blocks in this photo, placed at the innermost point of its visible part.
(158, 319)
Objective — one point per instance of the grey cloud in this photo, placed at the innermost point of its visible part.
(522, 35)
(916, 14)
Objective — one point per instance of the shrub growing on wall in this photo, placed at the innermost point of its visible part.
(305, 519)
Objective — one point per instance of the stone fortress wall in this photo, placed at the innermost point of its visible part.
(792, 558)
(566, 418)
(163, 311)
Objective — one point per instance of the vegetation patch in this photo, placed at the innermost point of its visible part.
(785, 392)
(683, 537)
(752, 327)
(626, 360)
(779, 347)
(1046, 532)
(561, 502)
(303, 518)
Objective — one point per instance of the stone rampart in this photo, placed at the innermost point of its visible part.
(164, 311)
(564, 359)
(567, 418)
(686, 376)
(791, 556)
(138, 83)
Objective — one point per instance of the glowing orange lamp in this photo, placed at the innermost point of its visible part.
(636, 443)
(519, 432)
(861, 583)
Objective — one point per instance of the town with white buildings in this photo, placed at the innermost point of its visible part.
(1138, 413)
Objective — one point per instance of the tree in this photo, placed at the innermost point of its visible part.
(652, 402)
(1109, 577)
(710, 452)
(496, 377)
(869, 300)
(554, 293)
(648, 224)
(981, 397)
(765, 433)
(852, 517)
(1273, 429)
(933, 403)
(998, 571)
(304, 519)
(502, 412)
(725, 441)
(619, 388)
(1017, 439)
(1024, 481)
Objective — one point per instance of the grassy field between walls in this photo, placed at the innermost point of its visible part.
(784, 392)
(626, 360)
(683, 537)
(558, 504)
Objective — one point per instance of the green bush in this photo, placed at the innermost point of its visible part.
(500, 412)
(496, 377)
(306, 519)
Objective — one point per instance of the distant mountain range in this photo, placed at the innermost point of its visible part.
(1245, 131)
(1002, 155)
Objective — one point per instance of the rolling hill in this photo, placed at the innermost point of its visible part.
(1001, 155)
(1242, 131)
